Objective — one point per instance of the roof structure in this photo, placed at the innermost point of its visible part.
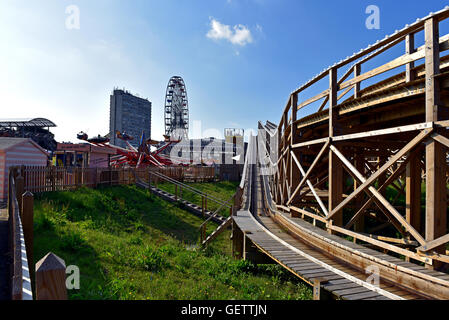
(7, 143)
(36, 122)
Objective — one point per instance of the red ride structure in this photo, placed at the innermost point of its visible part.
(134, 157)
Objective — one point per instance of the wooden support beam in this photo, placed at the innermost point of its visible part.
(413, 191)
(436, 207)
(294, 111)
(366, 184)
(335, 167)
(412, 144)
(333, 91)
(432, 66)
(436, 196)
(359, 225)
(357, 70)
(309, 184)
(306, 175)
(409, 49)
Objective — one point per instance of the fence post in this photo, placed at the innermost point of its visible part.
(27, 224)
(50, 278)
(96, 178)
(53, 178)
(202, 206)
(317, 289)
(203, 232)
(19, 190)
(75, 177)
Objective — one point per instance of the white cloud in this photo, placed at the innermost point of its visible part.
(240, 35)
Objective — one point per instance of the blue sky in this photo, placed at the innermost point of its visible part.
(240, 59)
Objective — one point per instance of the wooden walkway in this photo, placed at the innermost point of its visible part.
(310, 265)
(297, 250)
(193, 208)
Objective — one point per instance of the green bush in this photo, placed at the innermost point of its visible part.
(72, 241)
(151, 259)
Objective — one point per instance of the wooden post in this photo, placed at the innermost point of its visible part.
(335, 187)
(335, 166)
(19, 190)
(409, 49)
(237, 241)
(203, 232)
(50, 278)
(435, 155)
(413, 191)
(294, 107)
(27, 224)
(333, 91)
(53, 178)
(359, 225)
(202, 206)
(317, 289)
(357, 70)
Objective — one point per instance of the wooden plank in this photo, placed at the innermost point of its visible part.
(374, 133)
(342, 286)
(402, 60)
(441, 139)
(350, 291)
(313, 99)
(359, 296)
(333, 269)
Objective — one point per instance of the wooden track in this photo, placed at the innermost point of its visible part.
(313, 183)
(305, 261)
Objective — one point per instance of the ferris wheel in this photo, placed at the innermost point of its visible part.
(176, 109)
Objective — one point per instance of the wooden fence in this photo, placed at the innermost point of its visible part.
(19, 272)
(48, 275)
(42, 179)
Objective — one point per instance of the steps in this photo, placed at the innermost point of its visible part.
(217, 231)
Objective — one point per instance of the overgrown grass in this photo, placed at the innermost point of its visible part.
(129, 244)
(223, 190)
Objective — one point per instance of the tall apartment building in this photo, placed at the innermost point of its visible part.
(129, 114)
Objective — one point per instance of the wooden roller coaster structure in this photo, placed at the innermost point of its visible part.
(335, 168)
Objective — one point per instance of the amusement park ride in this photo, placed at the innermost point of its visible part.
(176, 127)
(134, 157)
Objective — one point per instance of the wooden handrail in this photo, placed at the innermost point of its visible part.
(20, 277)
(185, 186)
